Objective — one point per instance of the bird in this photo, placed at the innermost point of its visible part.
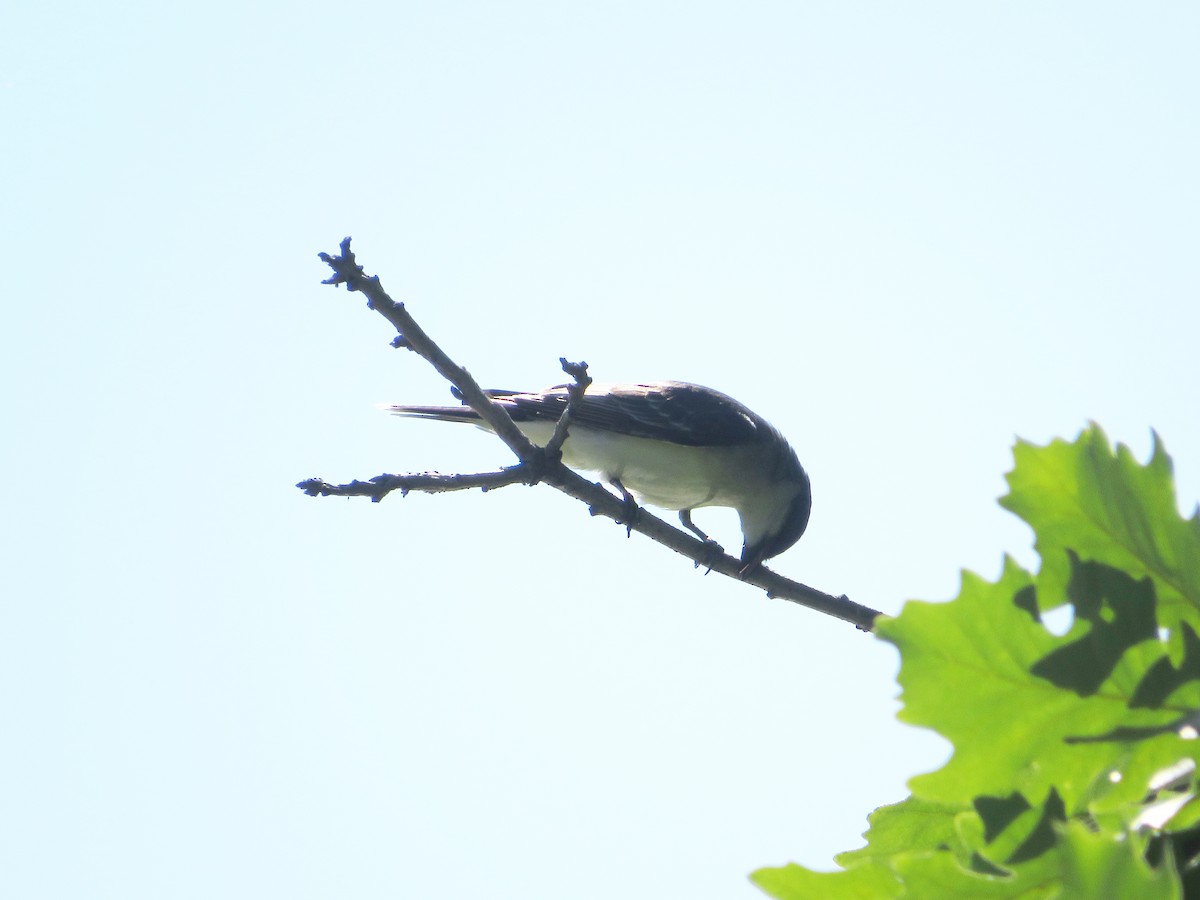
(670, 444)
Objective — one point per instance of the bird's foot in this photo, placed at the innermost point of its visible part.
(630, 509)
(709, 554)
(629, 514)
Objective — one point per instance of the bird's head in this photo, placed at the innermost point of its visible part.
(780, 529)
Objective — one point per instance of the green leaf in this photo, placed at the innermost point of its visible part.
(1042, 838)
(1103, 866)
(1075, 756)
(1120, 615)
(792, 882)
(967, 672)
(1163, 678)
(997, 813)
(912, 824)
(1107, 508)
(941, 876)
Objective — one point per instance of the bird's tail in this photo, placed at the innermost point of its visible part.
(462, 413)
(441, 413)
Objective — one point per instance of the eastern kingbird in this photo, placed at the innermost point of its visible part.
(674, 445)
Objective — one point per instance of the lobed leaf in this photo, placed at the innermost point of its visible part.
(1106, 507)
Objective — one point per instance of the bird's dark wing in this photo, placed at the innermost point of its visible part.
(666, 411)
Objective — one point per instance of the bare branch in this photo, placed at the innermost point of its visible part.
(579, 372)
(538, 464)
(425, 482)
(413, 337)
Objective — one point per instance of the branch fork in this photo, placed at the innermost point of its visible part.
(544, 464)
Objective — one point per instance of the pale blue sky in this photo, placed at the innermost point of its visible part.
(903, 233)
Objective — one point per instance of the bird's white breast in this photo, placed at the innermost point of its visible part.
(659, 473)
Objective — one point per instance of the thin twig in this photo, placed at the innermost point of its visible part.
(413, 337)
(539, 465)
(575, 391)
(426, 482)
